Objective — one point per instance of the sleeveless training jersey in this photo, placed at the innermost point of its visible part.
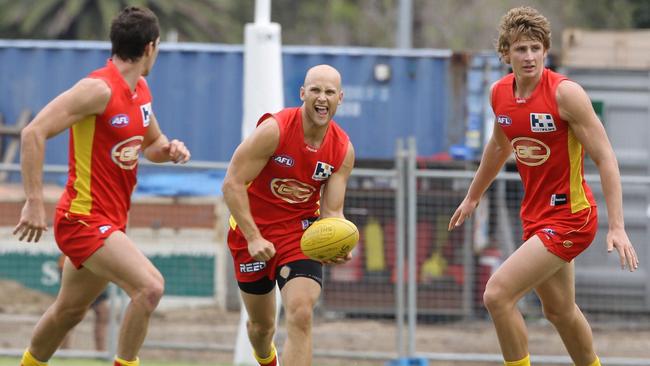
(287, 190)
(549, 156)
(104, 150)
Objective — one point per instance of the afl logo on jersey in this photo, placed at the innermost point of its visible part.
(504, 120)
(125, 154)
(283, 160)
(530, 151)
(291, 190)
(119, 121)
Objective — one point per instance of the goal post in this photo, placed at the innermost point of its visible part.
(263, 92)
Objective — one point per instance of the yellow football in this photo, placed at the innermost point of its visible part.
(329, 238)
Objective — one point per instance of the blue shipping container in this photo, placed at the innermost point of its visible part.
(197, 90)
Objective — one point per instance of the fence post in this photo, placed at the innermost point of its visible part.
(411, 217)
(113, 324)
(400, 199)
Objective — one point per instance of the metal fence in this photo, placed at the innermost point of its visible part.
(409, 274)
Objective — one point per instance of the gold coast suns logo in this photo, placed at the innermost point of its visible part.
(125, 154)
(530, 151)
(291, 190)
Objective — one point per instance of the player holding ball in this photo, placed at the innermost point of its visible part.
(273, 190)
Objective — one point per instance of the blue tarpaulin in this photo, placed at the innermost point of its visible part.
(179, 184)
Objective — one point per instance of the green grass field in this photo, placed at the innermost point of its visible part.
(11, 361)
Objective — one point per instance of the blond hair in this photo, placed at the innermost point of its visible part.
(521, 22)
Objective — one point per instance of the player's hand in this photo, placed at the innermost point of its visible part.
(339, 260)
(464, 211)
(261, 249)
(177, 152)
(617, 239)
(32, 221)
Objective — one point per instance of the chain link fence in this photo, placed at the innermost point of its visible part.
(412, 291)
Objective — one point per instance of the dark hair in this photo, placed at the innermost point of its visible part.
(131, 31)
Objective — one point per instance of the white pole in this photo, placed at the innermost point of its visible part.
(263, 92)
(405, 24)
(262, 11)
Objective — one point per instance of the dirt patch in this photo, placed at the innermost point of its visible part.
(16, 299)
(208, 325)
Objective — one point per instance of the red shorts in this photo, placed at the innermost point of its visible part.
(567, 237)
(247, 269)
(79, 236)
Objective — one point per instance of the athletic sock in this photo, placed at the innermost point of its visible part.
(270, 360)
(595, 363)
(121, 362)
(29, 360)
(523, 362)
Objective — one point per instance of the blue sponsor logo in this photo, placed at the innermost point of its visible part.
(549, 231)
(284, 160)
(146, 114)
(322, 171)
(119, 121)
(104, 228)
(504, 120)
(542, 122)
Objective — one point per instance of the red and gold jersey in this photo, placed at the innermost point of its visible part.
(104, 151)
(287, 190)
(549, 156)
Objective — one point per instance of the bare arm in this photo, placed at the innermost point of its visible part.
(86, 98)
(495, 154)
(575, 108)
(158, 149)
(334, 195)
(334, 191)
(247, 162)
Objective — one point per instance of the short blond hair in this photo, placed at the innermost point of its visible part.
(521, 22)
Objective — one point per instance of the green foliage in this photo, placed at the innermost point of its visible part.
(456, 24)
(195, 20)
(603, 14)
(641, 13)
(336, 22)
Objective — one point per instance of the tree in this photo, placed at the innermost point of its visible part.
(336, 22)
(602, 14)
(457, 24)
(641, 13)
(196, 20)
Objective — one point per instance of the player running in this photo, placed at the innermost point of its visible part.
(273, 189)
(111, 121)
(549, 122)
